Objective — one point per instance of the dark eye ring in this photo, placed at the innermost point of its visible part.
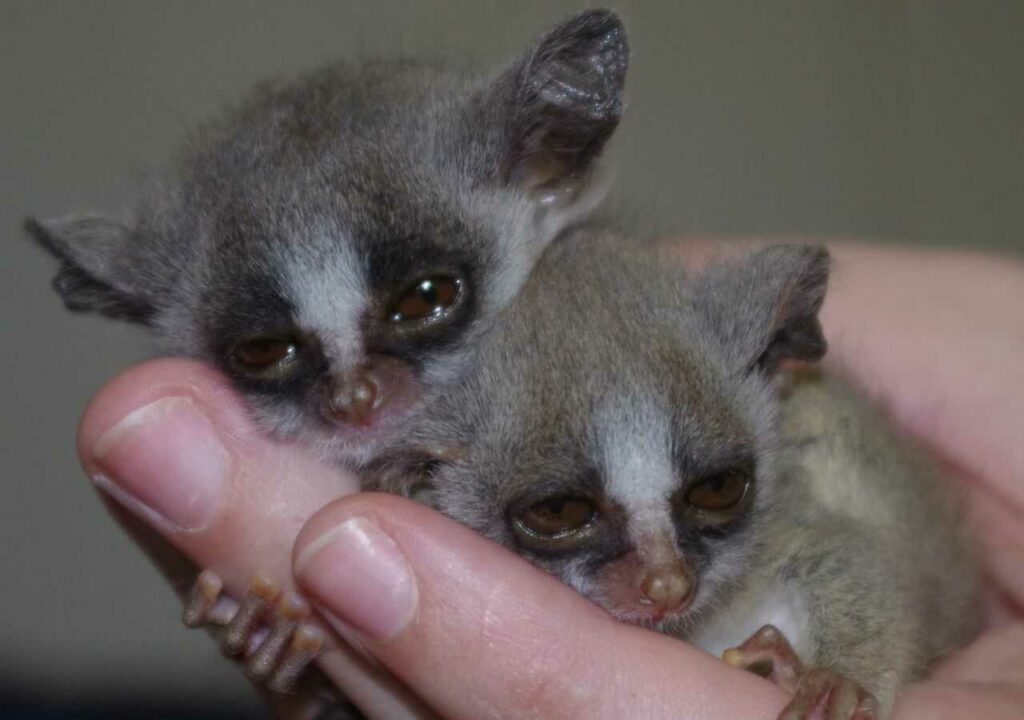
(427, 298)
(556, 517)
(265, 355)
(719, 492)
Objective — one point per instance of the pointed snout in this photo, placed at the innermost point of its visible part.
(664, 577)
(354, 399)
(666, 588)
(652, 581)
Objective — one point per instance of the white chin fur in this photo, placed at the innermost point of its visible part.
(777, 604)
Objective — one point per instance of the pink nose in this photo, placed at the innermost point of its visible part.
(667, 588)
(354, 401)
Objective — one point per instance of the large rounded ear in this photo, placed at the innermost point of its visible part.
(560, 103)
(764, 308)
(97, 271)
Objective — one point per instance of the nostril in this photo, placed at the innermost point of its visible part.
(354, 401)
(666, 588)
(364, 393)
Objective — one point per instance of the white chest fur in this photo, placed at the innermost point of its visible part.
(776, 605)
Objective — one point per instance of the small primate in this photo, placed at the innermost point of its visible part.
(354, 249)
(337, 243)
(645, 437)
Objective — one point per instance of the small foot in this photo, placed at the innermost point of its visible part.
(269, 632)
(818, 693)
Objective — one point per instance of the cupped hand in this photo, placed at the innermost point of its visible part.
(438, 621)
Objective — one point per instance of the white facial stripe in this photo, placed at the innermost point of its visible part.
(639, 472)
(330, 295)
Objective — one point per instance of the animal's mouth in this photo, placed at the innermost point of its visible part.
(651, 617)
(649, 585)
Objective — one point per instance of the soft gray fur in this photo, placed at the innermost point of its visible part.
(611, 376)
(615, 377)
(311, 206)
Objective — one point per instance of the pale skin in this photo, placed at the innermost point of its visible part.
(937, 338)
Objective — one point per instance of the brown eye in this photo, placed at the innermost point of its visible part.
(556, 517)
(723, 491)
(264, 353)
(429, 297)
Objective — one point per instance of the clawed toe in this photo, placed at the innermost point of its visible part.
(254, 606)
(768, 653)
(823, 695)
(269, 631)
(290, 611)
(818, 693)
(202, 599)
(306, 644)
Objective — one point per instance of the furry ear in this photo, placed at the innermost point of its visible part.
(764, 309)
(562, 101)
(409, 471)
(96, 272)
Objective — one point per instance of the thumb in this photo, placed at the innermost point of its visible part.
(477, 631)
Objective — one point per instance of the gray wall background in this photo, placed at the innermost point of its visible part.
(899, 120)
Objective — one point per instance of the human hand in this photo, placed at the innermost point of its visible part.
(490, 634)
(172, 444)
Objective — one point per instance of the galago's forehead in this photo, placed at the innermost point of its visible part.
(646, 418)
(329, 293)
(635, 442)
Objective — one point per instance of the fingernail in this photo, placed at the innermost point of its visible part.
(165, 460)
(358, 574)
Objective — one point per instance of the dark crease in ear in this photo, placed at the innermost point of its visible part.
(567, 99)
(84, 293)
(764, 309)
(91, 277)
(801, 339)
(408, 471)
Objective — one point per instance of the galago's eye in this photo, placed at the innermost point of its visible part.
(265, 355)
(556, 517)
(721, 491)
(428, 297)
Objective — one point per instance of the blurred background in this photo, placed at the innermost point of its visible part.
(901, 121)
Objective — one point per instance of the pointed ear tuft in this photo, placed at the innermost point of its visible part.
(764, 309)
(564, 100)
(94, 274)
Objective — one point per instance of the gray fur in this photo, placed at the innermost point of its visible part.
(869, 534)
(610, 374)
(611, 353)
(317, 200)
